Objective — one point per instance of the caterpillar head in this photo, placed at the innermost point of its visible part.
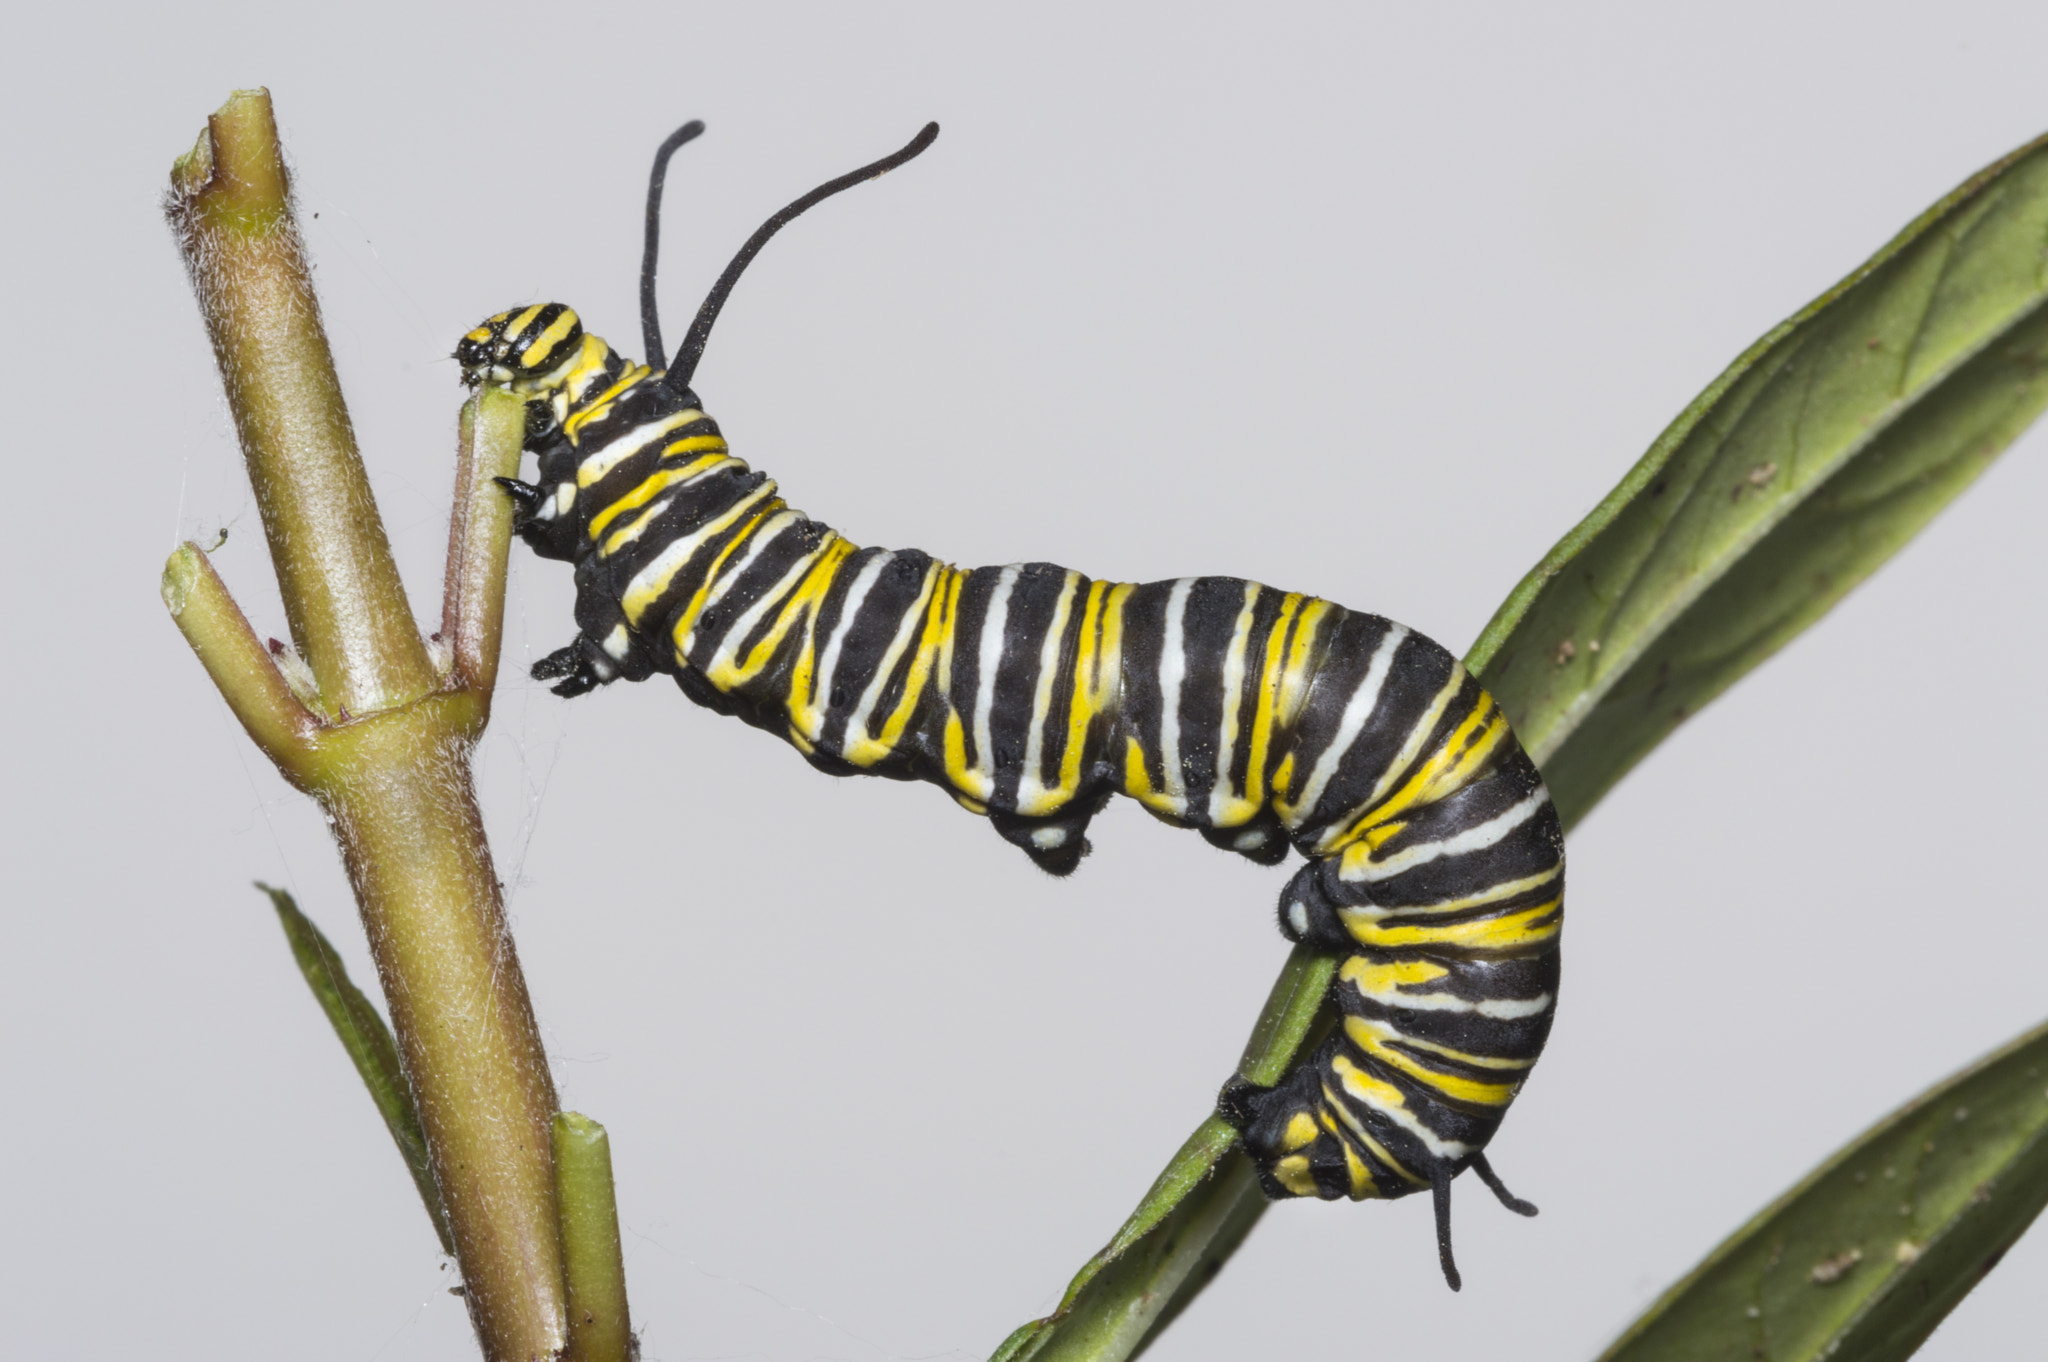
(529, 349)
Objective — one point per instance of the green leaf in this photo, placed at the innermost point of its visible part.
(1861, 1260)
(370, 1048)
(1823, 449)
(1799, 471)
(1142, 1279)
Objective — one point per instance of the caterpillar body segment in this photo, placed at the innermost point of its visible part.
(1267, 720)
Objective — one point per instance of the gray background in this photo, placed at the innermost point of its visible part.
(1339, 297)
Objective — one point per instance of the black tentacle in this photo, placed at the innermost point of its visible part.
(650, 318)
(1440, 1185)
(692, 349)
(1499, 1189)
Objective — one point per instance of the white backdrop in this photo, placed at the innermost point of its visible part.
(1299, 293)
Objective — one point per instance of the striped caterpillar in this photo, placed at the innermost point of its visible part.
(1266, 720)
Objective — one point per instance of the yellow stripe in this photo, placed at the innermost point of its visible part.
(545, 343)
(629, 443)
(1269, 696)
(1529, 927)
(1081, 705)
(1372, 1037)
(966, 779)
(1466, 1057)
(860, 748)
(1373, 840)
(1382, 980)
(945, 595)
(1506, 889)
(661, 479)
(1235, 807)
(687, 622)
(1098, 673)
(638, 599)
(588, 370)
(1332, 838)
(1041, 801)
(598, 407)
(803, 603)
(1300, 673)
(1292, 1173)
(1444, 772)
(826, 559)
(1379, 1095)
(1362, 1185)
(524, 319)
(1138, 784)
(1295, 684)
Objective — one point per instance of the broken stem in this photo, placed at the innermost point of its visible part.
(385, 743)
(600, 1328)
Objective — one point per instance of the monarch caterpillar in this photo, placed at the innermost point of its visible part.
(1030, 693)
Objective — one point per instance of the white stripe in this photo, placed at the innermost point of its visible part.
(1400, 1116)
(1173, 673)
(1221, 796)
(721, 672)
(854, 747)
(991, 658)
(1502, 1009)
(1031, 791)
(734, 568)
(821, 679)
(1372, 913)
(1514, 1009)
(619, 538)
(629, 443)
(1403, 762)
(1476, 838)
(651, 582)
(1363, 702)
(559, 503)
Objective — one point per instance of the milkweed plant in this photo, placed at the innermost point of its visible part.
(1797, 472)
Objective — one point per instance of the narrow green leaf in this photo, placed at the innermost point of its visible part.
(1120, 1300)
(1820, 451)
(593, 1261)
(1799, 471)
(367, 1039)
(1861, 1260)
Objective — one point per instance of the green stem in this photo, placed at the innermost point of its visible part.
(230, 204)
(479, 535)
(600, 1327)
(398, 787)
(388, 756)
